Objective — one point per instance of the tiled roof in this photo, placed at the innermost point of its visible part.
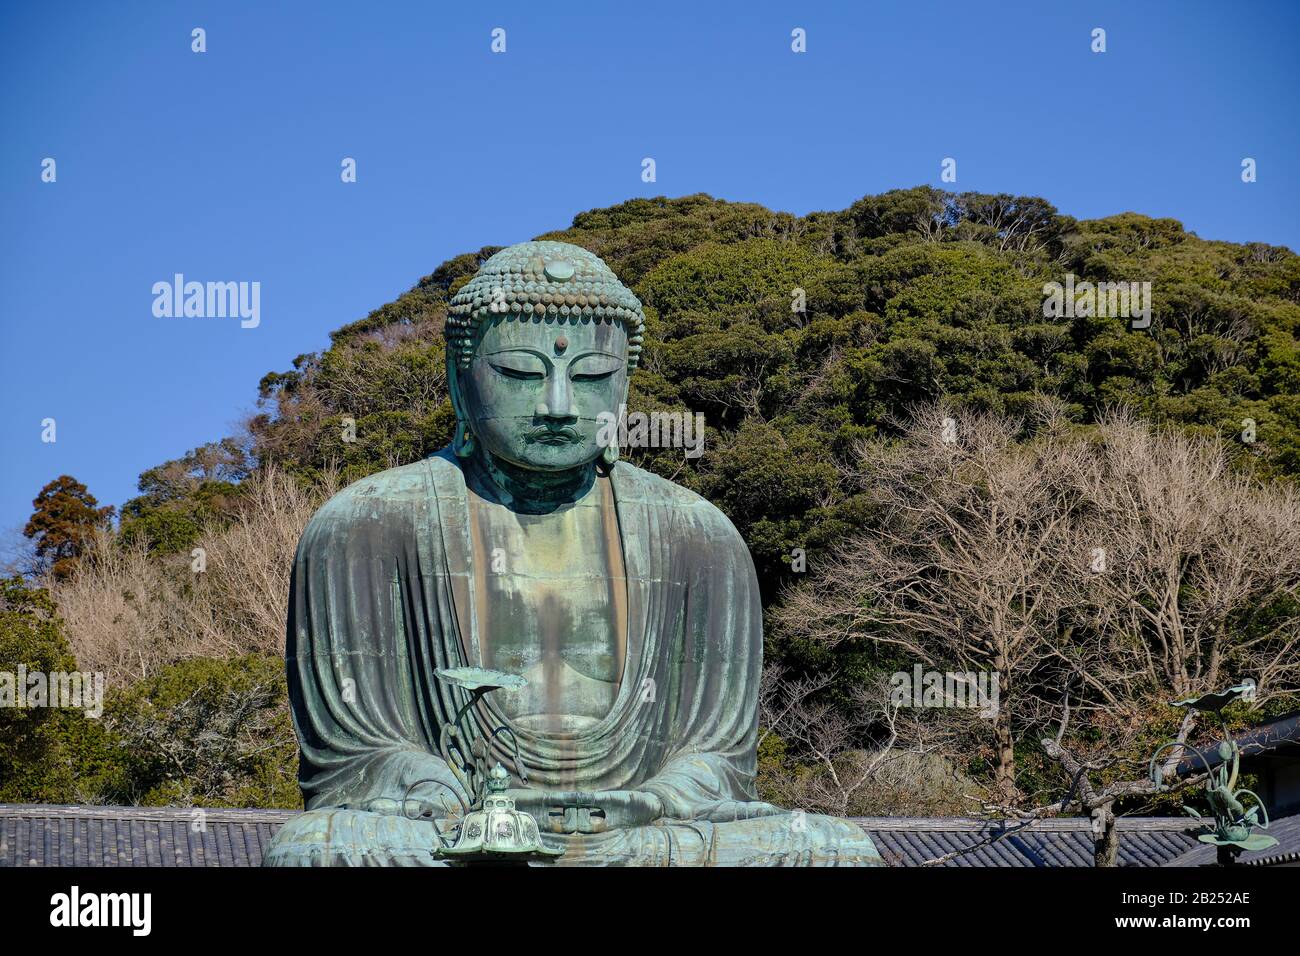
(38, 835)
(1276, 734)
(1065, 841)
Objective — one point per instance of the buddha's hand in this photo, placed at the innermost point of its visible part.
(413, 808)
(588, 811)
(729, 811)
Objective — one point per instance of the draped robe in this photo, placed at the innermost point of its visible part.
(383, 594)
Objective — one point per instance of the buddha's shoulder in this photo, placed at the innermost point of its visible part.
(688, 509)
(393, 494)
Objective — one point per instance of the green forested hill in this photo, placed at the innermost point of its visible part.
(910, 295)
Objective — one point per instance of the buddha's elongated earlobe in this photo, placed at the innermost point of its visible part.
(609, 454)
(463, 444)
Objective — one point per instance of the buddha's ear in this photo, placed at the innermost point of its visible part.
(609, 454)
(462, 442)
(453, 387)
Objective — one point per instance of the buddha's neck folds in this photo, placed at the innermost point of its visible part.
(528, 490)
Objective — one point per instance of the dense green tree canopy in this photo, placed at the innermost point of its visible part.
(907, 296)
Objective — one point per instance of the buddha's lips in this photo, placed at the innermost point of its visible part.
(563, 435)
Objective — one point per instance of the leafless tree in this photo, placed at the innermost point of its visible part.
(1197, 561)
(1115, 568)
(847, 753)
(958, 571)
(129, 611)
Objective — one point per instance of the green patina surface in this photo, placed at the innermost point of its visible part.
(627, 604)
(1234, 821)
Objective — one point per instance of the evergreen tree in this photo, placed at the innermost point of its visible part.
(65, 516)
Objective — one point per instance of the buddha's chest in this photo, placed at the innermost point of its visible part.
(551, 599)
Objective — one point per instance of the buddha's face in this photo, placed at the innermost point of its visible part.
(534, 389)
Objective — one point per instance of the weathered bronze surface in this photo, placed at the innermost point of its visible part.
(1233, 822)
(628, 604)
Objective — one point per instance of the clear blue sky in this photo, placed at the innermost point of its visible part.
(225, 165)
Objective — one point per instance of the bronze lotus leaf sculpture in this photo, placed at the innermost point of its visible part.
(1233, 823)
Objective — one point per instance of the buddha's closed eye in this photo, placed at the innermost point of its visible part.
(519, 365)
(586, 368)
(594, 368)
(526, 374)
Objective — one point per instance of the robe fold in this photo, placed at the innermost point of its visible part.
(383, 594)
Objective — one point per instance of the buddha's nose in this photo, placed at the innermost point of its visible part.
(558, 401)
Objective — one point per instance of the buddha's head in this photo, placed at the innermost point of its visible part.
(540, 344)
